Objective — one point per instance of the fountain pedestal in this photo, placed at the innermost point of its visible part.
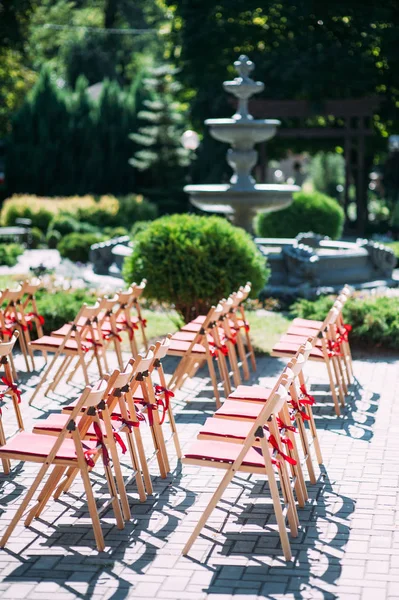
(242, 198)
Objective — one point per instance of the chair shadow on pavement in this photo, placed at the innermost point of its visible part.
(317, 551)
(68, 566)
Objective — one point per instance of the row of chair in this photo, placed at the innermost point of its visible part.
(92, 427)
(221, 335)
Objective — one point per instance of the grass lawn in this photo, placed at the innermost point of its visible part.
(266, 327)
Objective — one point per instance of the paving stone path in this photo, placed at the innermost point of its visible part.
(348, 544)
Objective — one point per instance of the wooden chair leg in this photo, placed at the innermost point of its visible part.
(114, 497)
(45, 495)
(143, 461)
(91, 504)
(44, 377)
(5, 461)
(285, 543)
(332, 388)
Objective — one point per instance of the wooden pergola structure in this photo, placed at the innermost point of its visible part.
(352, 125)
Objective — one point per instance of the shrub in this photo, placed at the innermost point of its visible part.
(64, 224)
(375, 320)
(138, 227)
(61, 306)
(9, 254)
(113, 232)
(53, 238)
(135, 208)
(25, 209)
(308, 212)
(106, 211)
(76, 246)
(193, 261)
(36, 237)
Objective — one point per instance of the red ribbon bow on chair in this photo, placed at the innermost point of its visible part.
(130, 328)
(143, 322)
(119, 441)
(6, 332)
(215, 349)
(129, 424)
(111, 334)
(344, 331)
(296, 406)
(282, 425)
(232, 339)
(12, 386)
(40, 318)
(307, 398)
(286, 457)
(101, 443)
(93, 343)
(334, 348)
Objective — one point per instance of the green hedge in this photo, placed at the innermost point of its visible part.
(60, 307)
(308, 212)
(76, 246)
(375, 321)
(193, 261)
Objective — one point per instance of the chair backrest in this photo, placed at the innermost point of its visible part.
(31, 287)
(88, 312)
(96, 393)
(161, 348)
(6, 348)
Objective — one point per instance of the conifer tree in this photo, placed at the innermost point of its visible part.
(160, 157)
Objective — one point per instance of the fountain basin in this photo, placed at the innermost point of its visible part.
(241, 204)
(245, 132)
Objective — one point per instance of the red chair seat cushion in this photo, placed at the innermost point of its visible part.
(291, 348)
(298, 322)
(56, 422)
(40, 446)
(181, 347)
(54, 342)
(239, 410)
(66, 330)
(223, 428)
(297, 339)
(254, 393)
(224, 452)
(302, 331)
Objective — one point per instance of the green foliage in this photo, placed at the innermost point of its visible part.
(193, 261)
(308, 212)
(160, 155)
(60, 307)
(12, 211)
(375, 320)
(36, 237)
(9, 254)
(327, 171)
(138, 227)
(53, 238)
(76, 246)
(84, 214)
(84, 144)
(64, 224)
(113, 232)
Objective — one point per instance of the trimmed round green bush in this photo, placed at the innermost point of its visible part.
(76, 246)
(9, 254)
(313, 211)
(113, 232)
(53, 238)
(194, 261)
(139, 226)
(36, 237)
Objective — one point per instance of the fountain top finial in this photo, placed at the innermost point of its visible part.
(243, 87)
(244, 66)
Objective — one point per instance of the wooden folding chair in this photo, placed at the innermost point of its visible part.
(68, 450)
(324, 350)
(195, 349)
(128, 315)
(9, 388)
(74, 343)
(13, 319)
(233, 458)
(240, 323)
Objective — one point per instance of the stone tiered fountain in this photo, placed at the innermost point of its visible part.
(242, 198)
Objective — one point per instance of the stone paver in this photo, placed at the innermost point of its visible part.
(348, 543)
